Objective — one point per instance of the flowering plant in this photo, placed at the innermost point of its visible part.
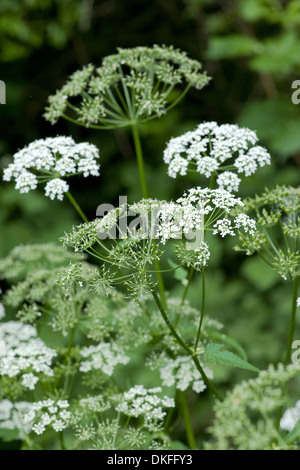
(81, 313)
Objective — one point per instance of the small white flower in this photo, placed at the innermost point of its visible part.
(245, 222)
(26, 181)
(138, 401)
(203, 256)
(38, 428)
(104, 356)
(298, 302)
(207, 165)
(229, 181)
(245, 164)
(64, 414)
(223, 227)
(56, 188)
(46, 419)
(182, 373)
(59, 425)
(29, 381)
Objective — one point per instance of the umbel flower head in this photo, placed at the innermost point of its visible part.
(143, 239)
(49, 161)
(27, 357)
(134, 84)
(246, 419)
(147, 403)
(210, 149)
(277, 233)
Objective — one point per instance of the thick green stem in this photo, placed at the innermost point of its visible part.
(292, 321)
(187, 421)
(186, 347)
(202, 308)
(61, 440)
(189, 279)
(160, 281)
(140, 159)
(77, 207)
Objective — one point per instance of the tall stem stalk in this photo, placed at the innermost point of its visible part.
(189, 280)
(202, 308)
(140, 159)
(187, 421)
(77, 207)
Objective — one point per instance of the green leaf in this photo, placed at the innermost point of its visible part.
(214, 352)
(230, 341)
(294, 434)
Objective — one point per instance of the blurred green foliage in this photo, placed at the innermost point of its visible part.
(251, 50)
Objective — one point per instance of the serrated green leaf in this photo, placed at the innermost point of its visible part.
(230, 341)
(214, 352)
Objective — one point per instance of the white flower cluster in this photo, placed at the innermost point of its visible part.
(12, 416)
(290, 417)
(48, 160)
(209, 146)
(96, 403)
(142, 402)
(298, 302)
(104, 356)
(48, 413)
(183, 373)
(25, 353)
(197, 211)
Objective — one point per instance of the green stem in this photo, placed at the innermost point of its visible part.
(71, 341)
(292, 321)
(160, 281)
(61, 440)
(187, 421)
(202, 308)
(189, 279)
(140, 159)
(186, 347)
(181, 96)
(77, 207)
